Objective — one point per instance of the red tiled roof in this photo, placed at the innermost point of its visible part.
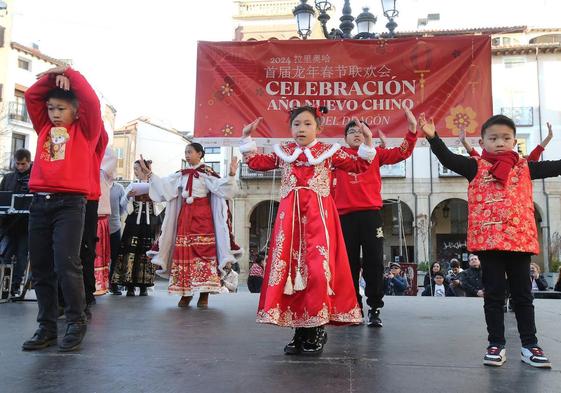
(37, 53)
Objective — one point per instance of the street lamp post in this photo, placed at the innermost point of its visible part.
(365, 21)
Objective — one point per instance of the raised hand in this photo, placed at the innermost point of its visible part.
(233, 166)
(248, 129)
(411, 120)
(549, 136)
(62, 82)
(55, 70)
(462, 135)
(382, 137)
(365, 131)
(145, 170)
(464, 141)
(427, 127)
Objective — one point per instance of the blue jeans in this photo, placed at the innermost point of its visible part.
(56, 223)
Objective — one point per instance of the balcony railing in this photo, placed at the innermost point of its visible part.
(18, 111)
(249, 174)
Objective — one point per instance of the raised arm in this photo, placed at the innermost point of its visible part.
(464, 166)
(404, 151)
(88, 108)
(366, 153)
(469, 148)
(248, 147)
(399, 153)
(35, 102)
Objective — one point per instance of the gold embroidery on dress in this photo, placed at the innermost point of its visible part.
(319, 183)
(278, 266)
(325, 263)
(288, 180)
(290, 318)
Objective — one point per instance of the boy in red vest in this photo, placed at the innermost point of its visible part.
(358, 199)
(65, 113)
(501, 228)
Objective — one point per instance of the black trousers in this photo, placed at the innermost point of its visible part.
(516, 266)
(16, 246)
(363, 230)
(55, 232)
(87, 250)
(114, 244)
(254, 284)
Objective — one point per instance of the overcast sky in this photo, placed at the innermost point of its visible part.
(142, 54)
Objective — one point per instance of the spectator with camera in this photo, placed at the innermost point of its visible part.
(395, 283)
(539, 283)
(453, 277)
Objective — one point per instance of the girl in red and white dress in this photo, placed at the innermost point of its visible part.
(196, 240)
(307, 282)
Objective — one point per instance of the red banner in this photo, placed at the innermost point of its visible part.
(448, 78)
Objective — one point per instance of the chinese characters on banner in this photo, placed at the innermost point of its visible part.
(449, 78)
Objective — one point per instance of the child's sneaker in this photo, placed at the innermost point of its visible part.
(495, 356)
(535, 357)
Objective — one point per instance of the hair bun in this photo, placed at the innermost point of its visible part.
(323, 109)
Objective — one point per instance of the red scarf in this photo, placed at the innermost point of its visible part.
(192, 172)
(502, 163)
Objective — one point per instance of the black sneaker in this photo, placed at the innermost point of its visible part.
(316, 338)
(495, 356)
(75, 333)
(535, 357)
(40, 340)
(374, 318)
(114, 289)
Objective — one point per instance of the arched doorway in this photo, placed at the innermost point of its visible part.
(449, 221)
(398, 234)
(262, 220)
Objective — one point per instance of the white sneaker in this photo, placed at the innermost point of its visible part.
(535, 357)
(495, 356)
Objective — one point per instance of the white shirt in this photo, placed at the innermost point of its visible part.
(200, 190)
(439, 291)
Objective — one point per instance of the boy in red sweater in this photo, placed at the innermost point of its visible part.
(65, 113)
(358, 199)
(501, 228)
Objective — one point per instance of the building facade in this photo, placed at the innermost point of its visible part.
(425, 210)
(164, 146)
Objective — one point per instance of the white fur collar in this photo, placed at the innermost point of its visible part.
(311, 159)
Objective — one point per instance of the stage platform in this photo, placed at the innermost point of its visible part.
(148, 344)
